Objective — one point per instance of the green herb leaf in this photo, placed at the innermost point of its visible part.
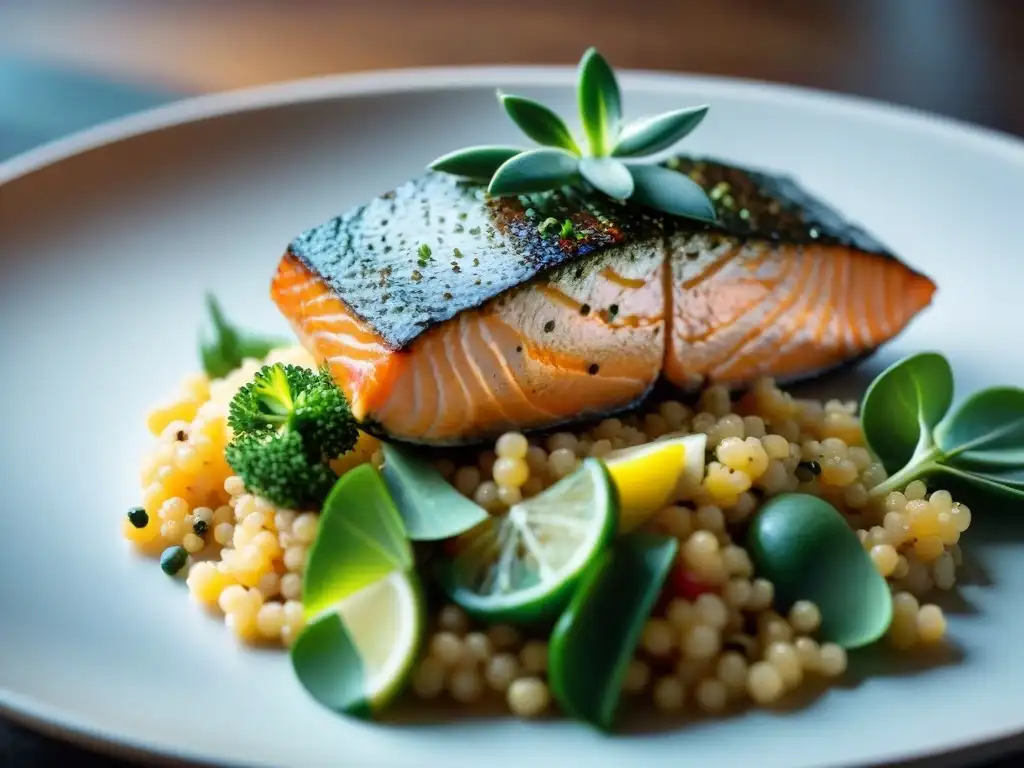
(431, 508)
(985, 431)
(608, 175)
(536, 170)
(809, 552)
(596, 636)
(567, 229)
(653, 134)
(1008, 484)
(223, 347)
(538, 122)
(600, 102)
(475, 162)
(903, 405)
(671, 192)
(544, 228)
(359, 528)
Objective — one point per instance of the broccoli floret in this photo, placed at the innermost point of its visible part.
(288, 423)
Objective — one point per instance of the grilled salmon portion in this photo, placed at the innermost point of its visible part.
(448, 318)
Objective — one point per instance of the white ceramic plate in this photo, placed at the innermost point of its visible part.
(108, 241)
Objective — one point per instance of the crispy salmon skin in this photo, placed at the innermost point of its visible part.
(449, 318)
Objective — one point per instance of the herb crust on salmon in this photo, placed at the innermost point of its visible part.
(448, 317)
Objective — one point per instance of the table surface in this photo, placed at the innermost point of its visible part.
(65, 64)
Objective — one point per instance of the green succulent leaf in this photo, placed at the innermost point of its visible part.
(360, 527)
(431, 508)
(671, 192)
(600, 102)
(903, 405)
(806, 548)
(475, 162)
(986, 431)
(608, 175)
(536, 170)
(653, 134)
(538, 122)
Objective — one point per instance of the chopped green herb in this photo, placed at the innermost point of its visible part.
(567, 229)
(475, 231)
(173, 560)
(545, 226)
(457, 253)
(424, 252)
(138, 517)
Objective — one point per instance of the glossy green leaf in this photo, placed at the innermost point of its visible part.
(326, 662)
(360, 529)
(223, 347)
(430, 507)
(653, 134)
(904, 404)
(538, 122)
(596, 636)
(671, 192)
(600, 102)
(986, 430)
(475, 162)
(536, 170)
(1008, 484)
(608, 175)
(809, 552)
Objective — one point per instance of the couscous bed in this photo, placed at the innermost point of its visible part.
(715, 639)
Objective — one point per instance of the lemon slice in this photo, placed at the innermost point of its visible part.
(646, 476)
(357, 658)
(522, 567)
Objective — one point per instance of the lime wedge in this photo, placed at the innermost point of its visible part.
(646, 476)
(357, 658)
(363, 602)
(522, 567)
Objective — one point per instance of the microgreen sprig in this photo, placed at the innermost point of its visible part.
(909, 423)
(600, 162)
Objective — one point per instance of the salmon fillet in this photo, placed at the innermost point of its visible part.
(448, 319)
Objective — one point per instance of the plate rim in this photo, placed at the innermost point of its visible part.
(67, 725)
(411, 79)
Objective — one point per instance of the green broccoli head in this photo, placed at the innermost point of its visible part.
(275, 466)
(288, 422)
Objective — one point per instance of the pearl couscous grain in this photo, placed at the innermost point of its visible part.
(720, 634)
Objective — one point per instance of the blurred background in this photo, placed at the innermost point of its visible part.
(69, 64)
(66, 64)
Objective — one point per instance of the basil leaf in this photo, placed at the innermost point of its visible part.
(596, 636)
(600, 102)
(608, 175)
(536, 170)
(223, 347)
(431, 508)
(986, 430)
(809, 552)
(903, 405)
(474, 162)
(360, 539)
(653, 134)
(538, 122)
(671, 192)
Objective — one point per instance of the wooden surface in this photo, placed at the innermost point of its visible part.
(962, 58)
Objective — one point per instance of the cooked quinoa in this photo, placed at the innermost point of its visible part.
(715, 641)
